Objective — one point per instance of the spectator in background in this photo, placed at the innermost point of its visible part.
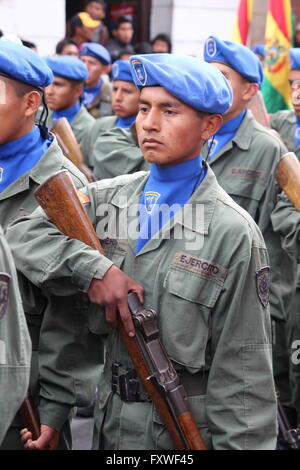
(143, 48)
(297, 35)
(30, 45)
(123, 34)
(97, 91)
(97, 10)
(161, 43)
(82, 28)
(67, 46)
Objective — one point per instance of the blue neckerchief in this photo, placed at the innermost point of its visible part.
(171, 186)
(297, 133)
(224, 135)
(125, 123)
(68, 113)
(89, 94)
(20, 156)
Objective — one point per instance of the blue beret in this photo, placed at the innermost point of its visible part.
(97, 51)
(22, 64)
(259, 49)
(191, 80)
(68, 67)
(121, 71)
(238, 57)
(295, 58)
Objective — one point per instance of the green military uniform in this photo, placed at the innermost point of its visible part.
(81, 124)
(101, 105)
(217, 337)
(116, 152)
(100, 125)
(66, 356)
(284, 122)
(15, 345)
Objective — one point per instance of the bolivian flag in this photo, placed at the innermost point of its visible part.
(276, 89)
(242, 22)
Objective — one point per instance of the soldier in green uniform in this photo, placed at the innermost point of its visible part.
(202, 265)
(125, 98)
(62, 368)
(287, 123)
(63, 95)
(97, 92)
(15, 345)
(243, 156)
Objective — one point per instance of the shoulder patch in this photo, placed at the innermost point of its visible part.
(262, 283)
(200, 266)
(4, 288)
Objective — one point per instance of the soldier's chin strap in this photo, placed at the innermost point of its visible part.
(43, 119)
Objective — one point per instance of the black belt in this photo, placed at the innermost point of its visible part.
(125, 382)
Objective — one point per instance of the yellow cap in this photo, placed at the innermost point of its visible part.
(88, 21)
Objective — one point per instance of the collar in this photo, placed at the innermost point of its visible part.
(177, 172)
(207, 194)
(232, 125)
(68, 113)
(50, 163)
(126, 122)
(94, 89)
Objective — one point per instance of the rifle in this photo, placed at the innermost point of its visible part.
(30, 417)
(69, 145)
(290, 435)
(258, 108)
(287, 174)
(59, 199)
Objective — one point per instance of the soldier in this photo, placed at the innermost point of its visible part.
(28, 155)
(287, 123)
(243, 156)
(206, 273)
(15, 345)
(125, 98)
(63, 96)
(97, 92)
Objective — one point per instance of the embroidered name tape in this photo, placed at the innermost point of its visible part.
(200, 266)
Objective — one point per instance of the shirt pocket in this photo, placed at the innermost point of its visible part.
(161, 435)
(185, 319)
(247, 192)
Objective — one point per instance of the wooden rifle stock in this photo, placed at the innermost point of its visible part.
(30, 417)
(258, 108)
(287, 174)
(70, 147)
(59, 199)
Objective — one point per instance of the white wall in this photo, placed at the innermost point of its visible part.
(195, 20)
(161, 17)
(39, 21)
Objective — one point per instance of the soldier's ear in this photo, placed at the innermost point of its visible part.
(32, 103)
(211, 125)
(250, 90)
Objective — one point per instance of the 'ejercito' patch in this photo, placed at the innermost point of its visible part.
(200, 266)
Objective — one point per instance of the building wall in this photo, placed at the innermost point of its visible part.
(195, 20)
(161, 17)
(39, 21)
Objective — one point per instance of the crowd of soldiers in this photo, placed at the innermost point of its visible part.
(155, 130)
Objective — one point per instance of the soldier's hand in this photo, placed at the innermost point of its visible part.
(111, 292)
(48, 439)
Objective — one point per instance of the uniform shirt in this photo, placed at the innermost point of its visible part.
(211, 300)
(297, 132)
(224, 135)
(15, 344)
(91, 93)
(69, 113)
(20, 155)
(171, 186)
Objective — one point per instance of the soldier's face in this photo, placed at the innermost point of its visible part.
(95, 69)
(294, 80)
(125, 98)
(62, 94)
(239, 88)
(13, 110)
(169, 131)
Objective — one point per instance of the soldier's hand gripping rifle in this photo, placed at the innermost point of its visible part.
(70, 147)
(59, 199)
